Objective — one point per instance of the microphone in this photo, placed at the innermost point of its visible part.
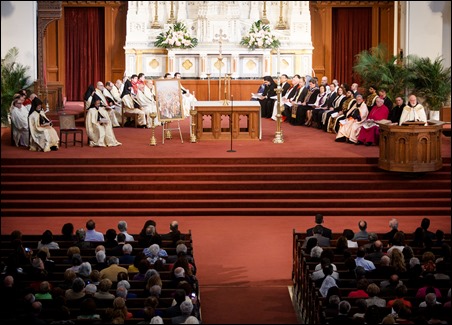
(230, 121)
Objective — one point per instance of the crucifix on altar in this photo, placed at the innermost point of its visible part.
(220, 37)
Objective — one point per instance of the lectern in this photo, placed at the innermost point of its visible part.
(412, 147)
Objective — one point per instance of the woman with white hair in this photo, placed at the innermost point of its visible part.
(328, 282)
(84, 271)
(156, 320)
(154, 253)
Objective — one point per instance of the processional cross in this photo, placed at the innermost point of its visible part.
(220, 37)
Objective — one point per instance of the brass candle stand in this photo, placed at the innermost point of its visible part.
(225, 101)
(155, 24)
(171, 19)
(208, 85)
(193, 113)
(153, 141)
(168, 134)
(220, 59)
(281, 24)
(264, 14)
(278, 134)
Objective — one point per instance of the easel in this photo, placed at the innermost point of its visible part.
(168, 130)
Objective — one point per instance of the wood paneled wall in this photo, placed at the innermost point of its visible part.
(322, 30)
(115, 36)
(239, 89)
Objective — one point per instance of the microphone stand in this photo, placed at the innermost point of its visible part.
(230, 121)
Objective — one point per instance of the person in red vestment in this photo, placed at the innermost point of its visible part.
(370, 132)
(134, 81)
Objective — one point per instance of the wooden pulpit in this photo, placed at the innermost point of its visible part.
(411, 147)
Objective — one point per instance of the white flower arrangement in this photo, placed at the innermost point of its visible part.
(260, 36)
(176, 36)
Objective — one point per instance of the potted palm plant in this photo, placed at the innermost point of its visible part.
(14, 78)
(431, 82)
(378, 68)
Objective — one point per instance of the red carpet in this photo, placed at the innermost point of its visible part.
(241, 207)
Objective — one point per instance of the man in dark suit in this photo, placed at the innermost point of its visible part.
(326, 232)
(322, 241)
(318, 113)
(285, 85)
(424, 225)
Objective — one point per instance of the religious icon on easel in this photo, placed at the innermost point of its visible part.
(169, 100)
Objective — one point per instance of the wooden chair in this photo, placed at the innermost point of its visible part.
(67, 126)
(125, 114)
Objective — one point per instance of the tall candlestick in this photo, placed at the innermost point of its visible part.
(155, 24)
(225, 87)
(278, 63)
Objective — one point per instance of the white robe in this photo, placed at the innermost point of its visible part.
(147, 102)
(116, 95)
(128, 106)
(100, 135)
(352, 127)
(187, 100)
(116, 107)
(41, 137)
(19, 126)
(110, 110)
(416, 113)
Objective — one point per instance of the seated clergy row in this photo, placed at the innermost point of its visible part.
(359, 126)
(30, 126)
(136, 95)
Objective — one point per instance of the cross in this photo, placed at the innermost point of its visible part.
(220, 37)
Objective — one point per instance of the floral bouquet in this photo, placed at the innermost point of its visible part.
(260, 36)
(176, 36)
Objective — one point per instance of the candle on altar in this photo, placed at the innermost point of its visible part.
(278, 63)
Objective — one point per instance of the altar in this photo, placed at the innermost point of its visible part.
(214, 120)
(218, 27)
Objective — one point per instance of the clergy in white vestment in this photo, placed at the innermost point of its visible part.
(413, 112)
(19, 123)
(105, 102)
(130, 104)
(98, 126)
(114, 91)
(43, 136)
(356, 116)
(147, 103)
(187, 98)
(112, 95)
(88, 96)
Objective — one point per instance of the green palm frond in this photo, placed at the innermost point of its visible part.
(377, 68)
(14, 78)
(432, 81)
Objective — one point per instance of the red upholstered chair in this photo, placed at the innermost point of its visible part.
(67, 126)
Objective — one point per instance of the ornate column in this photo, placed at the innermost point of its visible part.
(139, 61)
(181, 10)
(266, 63)
(235, 65)
(171, 59)
(48, 11)
(203, 65)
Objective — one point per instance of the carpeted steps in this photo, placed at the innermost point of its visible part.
(218, 187)
(228, 195)
(196, 177)
(223, 204)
